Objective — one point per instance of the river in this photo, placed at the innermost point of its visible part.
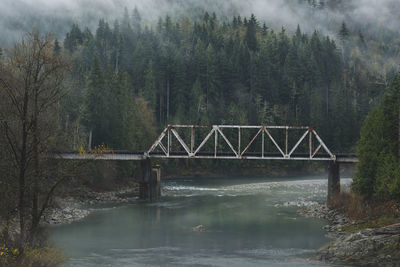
(247, 222)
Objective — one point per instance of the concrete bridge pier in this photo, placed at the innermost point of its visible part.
(333, 181)
(150, 181)
(156, 171)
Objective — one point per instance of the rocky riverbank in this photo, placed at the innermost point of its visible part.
(354, 245)
(66, 210)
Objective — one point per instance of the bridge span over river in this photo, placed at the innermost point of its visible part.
(234, 142)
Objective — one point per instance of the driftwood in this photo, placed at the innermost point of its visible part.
(393, 229)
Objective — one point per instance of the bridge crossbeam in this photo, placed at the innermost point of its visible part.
(264, 133)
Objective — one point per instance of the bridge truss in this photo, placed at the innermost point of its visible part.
(242, 142)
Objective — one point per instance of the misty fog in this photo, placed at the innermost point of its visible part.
(20, 16)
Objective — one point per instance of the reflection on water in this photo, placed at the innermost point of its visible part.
(249, 222)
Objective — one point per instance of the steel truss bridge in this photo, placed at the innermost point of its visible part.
(228, 142)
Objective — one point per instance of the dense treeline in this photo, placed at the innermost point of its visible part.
(207, 72)
(378, 173)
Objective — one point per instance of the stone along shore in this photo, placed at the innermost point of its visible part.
(70, 209)
(352, 244)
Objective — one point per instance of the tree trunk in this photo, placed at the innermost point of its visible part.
(327, 99)
(22, 168)
(167, 101)
(116, 61)
(161, 111)
(90, 140)
(36, 175)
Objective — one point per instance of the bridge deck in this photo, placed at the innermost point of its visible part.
(124, 155)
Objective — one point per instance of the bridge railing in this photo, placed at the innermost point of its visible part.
(239, 149)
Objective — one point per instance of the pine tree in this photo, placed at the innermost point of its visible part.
(234, 22)
(211, 77)
(103, 42)
(298, 33)
(198, 103)
(239, 20)
(264, 29)
(251, 31)
(121, 113)
(96, 105)
(149, 91)
(57, 48)
(74, 38)
(136, 20)
(344, 32)
(361, 41)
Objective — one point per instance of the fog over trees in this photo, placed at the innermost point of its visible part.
(57, 16)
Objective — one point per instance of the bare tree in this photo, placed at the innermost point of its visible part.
(31, 84)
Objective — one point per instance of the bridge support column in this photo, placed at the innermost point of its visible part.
(333, 181)
(156, 170)
(150, 181)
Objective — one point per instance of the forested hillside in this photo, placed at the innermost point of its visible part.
(207, 71)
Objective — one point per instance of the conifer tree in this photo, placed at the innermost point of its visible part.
(56, 50)
(251, 31)
(136, 20)
(344, 32)
(96, 103)
(264, 29)
(149, 91)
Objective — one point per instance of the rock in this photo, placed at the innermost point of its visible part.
(361, 248)
(369, 247)
(199, 228)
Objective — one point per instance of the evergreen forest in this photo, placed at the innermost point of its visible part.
(131, 80)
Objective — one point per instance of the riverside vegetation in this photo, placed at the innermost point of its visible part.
(122, 83)
(374, 208)
(365, 223)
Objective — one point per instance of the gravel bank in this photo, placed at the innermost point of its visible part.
(366, 247)
(71, 209)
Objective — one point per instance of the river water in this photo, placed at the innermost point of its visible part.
(247, 221)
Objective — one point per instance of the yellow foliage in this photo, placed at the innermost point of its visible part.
(101, 149)
(82, 151)
(8, 256)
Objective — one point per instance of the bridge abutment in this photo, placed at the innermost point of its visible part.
(150, 181)
(333, 181)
